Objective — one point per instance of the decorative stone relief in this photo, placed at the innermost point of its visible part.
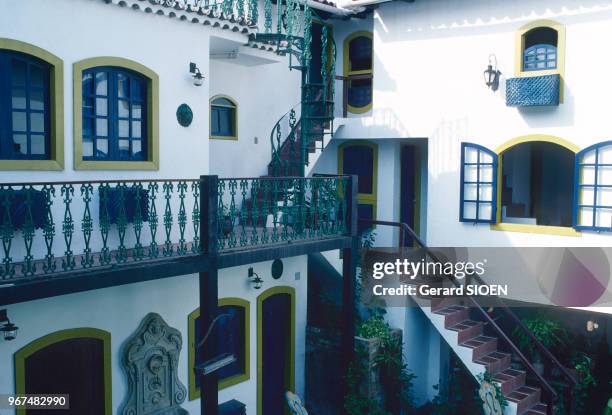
(150, 359)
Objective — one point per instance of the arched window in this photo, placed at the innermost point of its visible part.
(223, 118)
(540, 49)
(114, 114)
(233, 333)
(25, 112)
(31, 116)
(358, 70)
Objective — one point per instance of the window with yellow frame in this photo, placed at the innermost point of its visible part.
(358, 69)
(116, 105)
(32, 103)
(234, 329)
(223, 118)
(540, 50)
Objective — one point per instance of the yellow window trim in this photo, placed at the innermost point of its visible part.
(348, 71)
(152, 118)
(85, 332)
(362, 198)
(520, 46)
(194, 391)
(527, 228)
(542, 229)
(234, 121)
(56, 103)
(291, 373)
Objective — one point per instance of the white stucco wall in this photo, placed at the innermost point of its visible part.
(120, 310)
(76, 30)
(264, 93)
(429, 59)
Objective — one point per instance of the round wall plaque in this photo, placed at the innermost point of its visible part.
(277, 269)
(184, 115)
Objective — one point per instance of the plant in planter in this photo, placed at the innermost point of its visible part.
(549, 332)
(227, 224)
(379, 355)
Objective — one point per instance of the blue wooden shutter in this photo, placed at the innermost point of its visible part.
(593, 188)
(478, 184)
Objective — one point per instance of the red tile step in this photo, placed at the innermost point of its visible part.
(453, 315)
(538, 409)
(440, 303)
(510, 379)
(525, 397)
(481, 346)
(495, 362)
(467, 330)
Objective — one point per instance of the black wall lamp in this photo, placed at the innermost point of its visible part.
(9, 330)
(255, 279)
(198, 78)
(491, 75)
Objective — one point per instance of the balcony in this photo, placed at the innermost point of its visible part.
(533, 91)
(105, 233)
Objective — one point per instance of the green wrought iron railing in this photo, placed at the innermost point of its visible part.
(62, 227)
(48, 228)
(268, 210)
(243, 11)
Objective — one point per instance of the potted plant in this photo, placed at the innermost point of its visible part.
(227, 225)
(549, 332)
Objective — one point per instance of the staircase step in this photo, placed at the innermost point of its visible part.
(481, 346)
(538, 409)
(440, 303)
(453, 315)
(525, 397)
(510, 379)
(467, 330)
(495, 362)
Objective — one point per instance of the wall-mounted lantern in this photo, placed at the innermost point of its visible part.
(255, 279)
(491, 75)
(9, 330)
(198, 78)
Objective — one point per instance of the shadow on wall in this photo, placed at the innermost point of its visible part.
(469, 18)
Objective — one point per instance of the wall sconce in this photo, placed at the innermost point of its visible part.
(255, 279)
(9, 330)
(591, 326)
(491, 75)
(198, 78)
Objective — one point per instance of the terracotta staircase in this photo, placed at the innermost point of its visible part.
(484, 351)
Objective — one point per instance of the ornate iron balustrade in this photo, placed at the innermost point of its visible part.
(64, 227)
(242, 11)
(259, 211)
(48, 228)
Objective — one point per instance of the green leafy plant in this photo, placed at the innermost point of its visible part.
(549, 332)
(582, 364)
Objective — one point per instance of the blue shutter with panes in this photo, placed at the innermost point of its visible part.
(478, 184)
(593, 188)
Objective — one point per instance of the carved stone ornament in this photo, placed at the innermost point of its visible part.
(150, 359)
(488, 394)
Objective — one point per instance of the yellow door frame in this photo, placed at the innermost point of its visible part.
(363, 198)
